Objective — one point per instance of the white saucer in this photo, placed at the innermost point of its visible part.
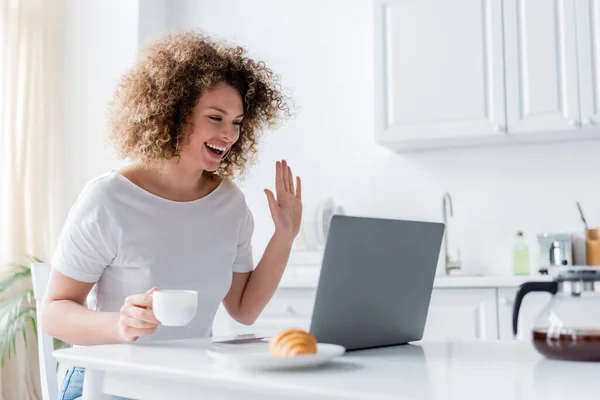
(257, 356)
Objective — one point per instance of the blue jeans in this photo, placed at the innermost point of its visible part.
(72, 385)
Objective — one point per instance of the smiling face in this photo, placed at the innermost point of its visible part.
(215, 127)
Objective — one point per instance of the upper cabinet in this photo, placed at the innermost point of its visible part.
(463, 72)
(541, 65)
(440, 69)
(588, 36)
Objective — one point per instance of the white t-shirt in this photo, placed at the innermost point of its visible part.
(129, 240)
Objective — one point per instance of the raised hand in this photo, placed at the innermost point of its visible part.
(286, 209)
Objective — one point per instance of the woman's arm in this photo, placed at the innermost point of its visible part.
(64, 316)
(250, 292)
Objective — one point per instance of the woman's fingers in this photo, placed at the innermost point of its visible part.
(298, 188)
(285, 175)
(136, 316)
(290, 180)
(140, 314)
(138, 323)
(284, 179)
(279, 180)
(139, 300)
(131, 333)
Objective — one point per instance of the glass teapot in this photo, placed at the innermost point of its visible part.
(568, 328)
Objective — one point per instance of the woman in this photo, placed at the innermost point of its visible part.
(188, 114)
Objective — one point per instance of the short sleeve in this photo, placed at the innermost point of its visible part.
(244, 261)
(86, 245)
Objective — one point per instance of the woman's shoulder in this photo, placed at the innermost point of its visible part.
(100, 185)
(231, 189)
(96, 192)
(235, 196)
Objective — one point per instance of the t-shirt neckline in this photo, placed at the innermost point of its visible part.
(146, 193)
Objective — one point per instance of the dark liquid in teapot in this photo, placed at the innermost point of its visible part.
(570, 344)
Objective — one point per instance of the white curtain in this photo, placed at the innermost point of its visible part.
(30, 138)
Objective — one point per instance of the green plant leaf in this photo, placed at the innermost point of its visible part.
(19, 323)
(59, 344)
(9, 335)
(24, 333)
(34, 323)
(12, 333)
(14, 318)
(6, 306)
(20, 268)
(11, 280)
(17, 310)
(14, 344)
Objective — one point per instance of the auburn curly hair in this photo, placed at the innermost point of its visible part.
(151, 106)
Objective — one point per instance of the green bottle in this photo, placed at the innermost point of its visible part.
(520, 256)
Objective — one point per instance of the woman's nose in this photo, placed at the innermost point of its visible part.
(229, 134)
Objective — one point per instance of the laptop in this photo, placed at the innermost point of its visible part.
(376, 281)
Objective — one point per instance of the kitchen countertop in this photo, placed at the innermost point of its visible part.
(308, 277)
(486, 281)
(502, 370)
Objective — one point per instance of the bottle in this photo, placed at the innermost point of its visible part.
(520, 255)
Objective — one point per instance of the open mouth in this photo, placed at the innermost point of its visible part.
(216, 150)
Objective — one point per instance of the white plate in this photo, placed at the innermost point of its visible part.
(257, 356)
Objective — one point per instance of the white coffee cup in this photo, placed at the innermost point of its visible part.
(175, 307)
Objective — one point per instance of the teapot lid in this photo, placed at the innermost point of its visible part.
(574, 272)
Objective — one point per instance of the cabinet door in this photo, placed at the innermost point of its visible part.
(541, 65)
(531, 306)
(588, 35)
(462, 314)
(289, 307)
(439, 69)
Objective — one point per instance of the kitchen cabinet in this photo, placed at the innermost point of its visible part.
(485, 73)
(440, 69)
(462, 313)
(289, 307)
(460, 307)
(453, 313)
(531, 306)
(542, 91)
(588, 35)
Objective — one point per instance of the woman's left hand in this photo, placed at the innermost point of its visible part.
(286, 210)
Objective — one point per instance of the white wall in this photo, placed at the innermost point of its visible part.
(323, 50)
(152, 20)
(101, 42)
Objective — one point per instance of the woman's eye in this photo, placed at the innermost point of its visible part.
(238, 123)
(215, 118)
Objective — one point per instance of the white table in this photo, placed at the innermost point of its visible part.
(453, 370)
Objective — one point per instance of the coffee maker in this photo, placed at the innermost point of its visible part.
(568, 327)
(556, 249)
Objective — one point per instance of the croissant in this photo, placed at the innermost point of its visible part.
(292, 342)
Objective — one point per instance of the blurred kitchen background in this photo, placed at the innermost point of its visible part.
(495, 102)
(325, 53)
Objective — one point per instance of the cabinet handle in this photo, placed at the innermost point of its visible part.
(586, 121)
(498, 128)
(505, 301)
(290, 310)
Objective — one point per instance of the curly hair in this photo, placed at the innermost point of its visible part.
(151, 107)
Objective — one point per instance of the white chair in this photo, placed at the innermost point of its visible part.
(40, 274)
